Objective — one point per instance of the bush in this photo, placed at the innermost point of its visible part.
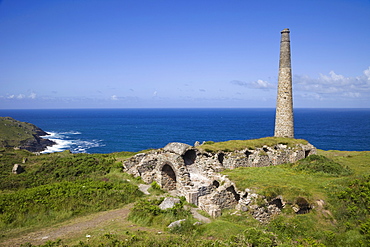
(254, 237)
(318, 163)
(148, 213)
(355, 200)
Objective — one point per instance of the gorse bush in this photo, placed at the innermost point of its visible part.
(318, 163)
(355, 200)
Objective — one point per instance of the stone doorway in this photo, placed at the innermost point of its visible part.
(168, 178)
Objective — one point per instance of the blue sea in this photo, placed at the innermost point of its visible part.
(115, 130)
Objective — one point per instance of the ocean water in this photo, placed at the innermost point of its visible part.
(115, 130)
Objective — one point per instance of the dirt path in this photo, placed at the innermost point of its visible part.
(69, 228)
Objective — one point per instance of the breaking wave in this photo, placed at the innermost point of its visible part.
(70, 141)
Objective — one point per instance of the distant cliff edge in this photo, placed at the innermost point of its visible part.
(22, 135)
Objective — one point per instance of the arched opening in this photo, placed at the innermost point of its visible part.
(216, 184)
(232, 190)
(189, 157)
(247, 153)
(304, 206)
(277, 202)
(221, 157)
(168, 178)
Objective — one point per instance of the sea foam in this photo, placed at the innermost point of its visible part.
(68, 141)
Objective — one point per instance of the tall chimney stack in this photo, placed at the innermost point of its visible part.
(284, 124)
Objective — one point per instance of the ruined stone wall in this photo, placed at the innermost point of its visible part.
(195, 174)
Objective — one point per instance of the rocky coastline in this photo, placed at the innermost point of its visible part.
(22, 135)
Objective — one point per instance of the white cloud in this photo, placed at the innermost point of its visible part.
(20, 96)
(114, 97)
(351, 95)
(367, 73)
(259, 84)
(334, 85)
(32, 96)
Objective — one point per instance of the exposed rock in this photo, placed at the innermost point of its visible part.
(177, 147)
(175, 223)
(169, 202)
(199, 217)
(144, 188)
(17, 169)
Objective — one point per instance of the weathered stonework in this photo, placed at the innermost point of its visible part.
(284, 123)
(193, 173)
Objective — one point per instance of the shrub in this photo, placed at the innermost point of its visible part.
(355, 199)
(254, 237)
(318, 163)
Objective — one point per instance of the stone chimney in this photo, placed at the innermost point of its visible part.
(284, 124)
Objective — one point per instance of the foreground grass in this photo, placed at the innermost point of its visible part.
(60, 186)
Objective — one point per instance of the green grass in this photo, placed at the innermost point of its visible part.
(250, 144)
(292, 182)
(59, 186)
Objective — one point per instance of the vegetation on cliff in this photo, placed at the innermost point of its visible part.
(22, 135)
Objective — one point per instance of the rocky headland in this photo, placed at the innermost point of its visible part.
(22, 135)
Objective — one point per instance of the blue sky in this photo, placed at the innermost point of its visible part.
(168, 53)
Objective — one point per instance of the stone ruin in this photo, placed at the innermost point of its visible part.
(188, 171)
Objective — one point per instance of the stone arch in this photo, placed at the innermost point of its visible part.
(189, 157)
(232, 190)
(168, 177)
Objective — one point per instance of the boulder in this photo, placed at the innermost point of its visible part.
(176, 223)
(169, 202)
(17, 169)
(177, 147)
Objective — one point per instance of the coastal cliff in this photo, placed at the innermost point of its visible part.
(16, 134)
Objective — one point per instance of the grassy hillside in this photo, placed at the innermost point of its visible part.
(63, 186)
